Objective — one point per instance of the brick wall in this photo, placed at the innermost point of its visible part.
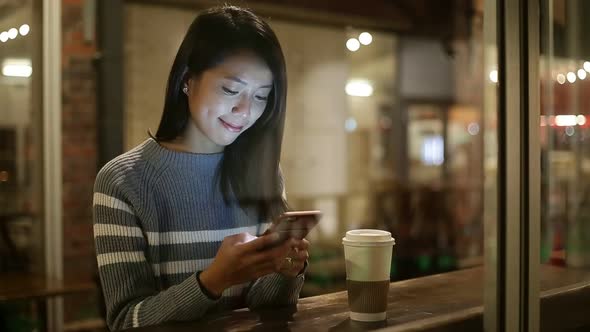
(79, 126)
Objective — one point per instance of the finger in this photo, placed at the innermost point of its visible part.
(263, 269)
(305, 244)
(297, 267)
(292, 272)
(302, 245)
(285, 265)
(300, 256)
(240, 238)
(257, 258)
(259, 243)
(269, 255)
(255, 270)
(275, 254)
(287, 248)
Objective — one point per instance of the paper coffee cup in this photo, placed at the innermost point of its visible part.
(368, 263)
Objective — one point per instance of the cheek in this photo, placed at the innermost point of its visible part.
(195, 106)
(257, 112)
(207, 108)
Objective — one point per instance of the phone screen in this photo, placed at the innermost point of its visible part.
(295, 224)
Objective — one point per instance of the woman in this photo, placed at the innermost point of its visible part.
(173, 217)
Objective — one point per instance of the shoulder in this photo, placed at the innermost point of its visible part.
(122, 170)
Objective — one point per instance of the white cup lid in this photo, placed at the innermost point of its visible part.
(368, 235)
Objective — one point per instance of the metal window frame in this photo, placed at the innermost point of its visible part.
(512, 296)
(513, 243)
(52, 153)
(110, 85)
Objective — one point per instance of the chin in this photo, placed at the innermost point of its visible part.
(225, 141)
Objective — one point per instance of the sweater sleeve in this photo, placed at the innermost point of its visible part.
(129, 281)
(274, 290)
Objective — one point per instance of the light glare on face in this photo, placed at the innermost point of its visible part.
(229, 98)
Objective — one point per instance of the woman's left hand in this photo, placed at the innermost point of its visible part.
(294, 262)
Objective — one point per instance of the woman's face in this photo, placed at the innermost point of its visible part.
(226, 100)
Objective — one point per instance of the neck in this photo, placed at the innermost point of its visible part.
(193, 141)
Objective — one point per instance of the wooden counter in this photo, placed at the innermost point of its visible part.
(445, 302)
(27, 286)
(23, 286)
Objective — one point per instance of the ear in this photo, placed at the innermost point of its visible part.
(186, 87)
(188, 83)
(191, 83)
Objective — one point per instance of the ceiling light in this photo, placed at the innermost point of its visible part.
(494, 76)
(12, 33)
(473, 128)
(17, 68)
(566, 120)
(365, 38)
(24, 29)
(359, 88)
(571, 77)
(353, 44)
(350, 125)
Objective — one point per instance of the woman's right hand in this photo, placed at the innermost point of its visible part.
(242, 258)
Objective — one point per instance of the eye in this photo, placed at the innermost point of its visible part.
(229, 92)
(261, 98)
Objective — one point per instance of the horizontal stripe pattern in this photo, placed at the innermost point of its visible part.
(136, 314)
(111, 202)
(167, 238)
(235, 290)
(116, 230)
(120, 257)
(159, 217)
(178, 267)
(111, 244)
(163, 268)
(182, 252)
(157, 239)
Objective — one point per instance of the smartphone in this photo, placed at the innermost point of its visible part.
(294, 224)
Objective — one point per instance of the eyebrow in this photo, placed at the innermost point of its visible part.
(237, 79)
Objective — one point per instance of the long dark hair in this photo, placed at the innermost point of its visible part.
(250, 167)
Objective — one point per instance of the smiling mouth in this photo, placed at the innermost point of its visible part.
(231, 127)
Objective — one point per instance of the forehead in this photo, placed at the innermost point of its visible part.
(245, 66)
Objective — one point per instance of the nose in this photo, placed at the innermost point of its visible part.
(242, 108)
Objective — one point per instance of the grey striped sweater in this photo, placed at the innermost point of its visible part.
(159, 217)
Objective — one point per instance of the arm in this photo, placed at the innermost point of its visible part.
(281, 288)
(275, 290)
(128, 280)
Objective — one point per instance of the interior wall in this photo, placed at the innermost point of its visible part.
(152, 37)
(317, 70)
